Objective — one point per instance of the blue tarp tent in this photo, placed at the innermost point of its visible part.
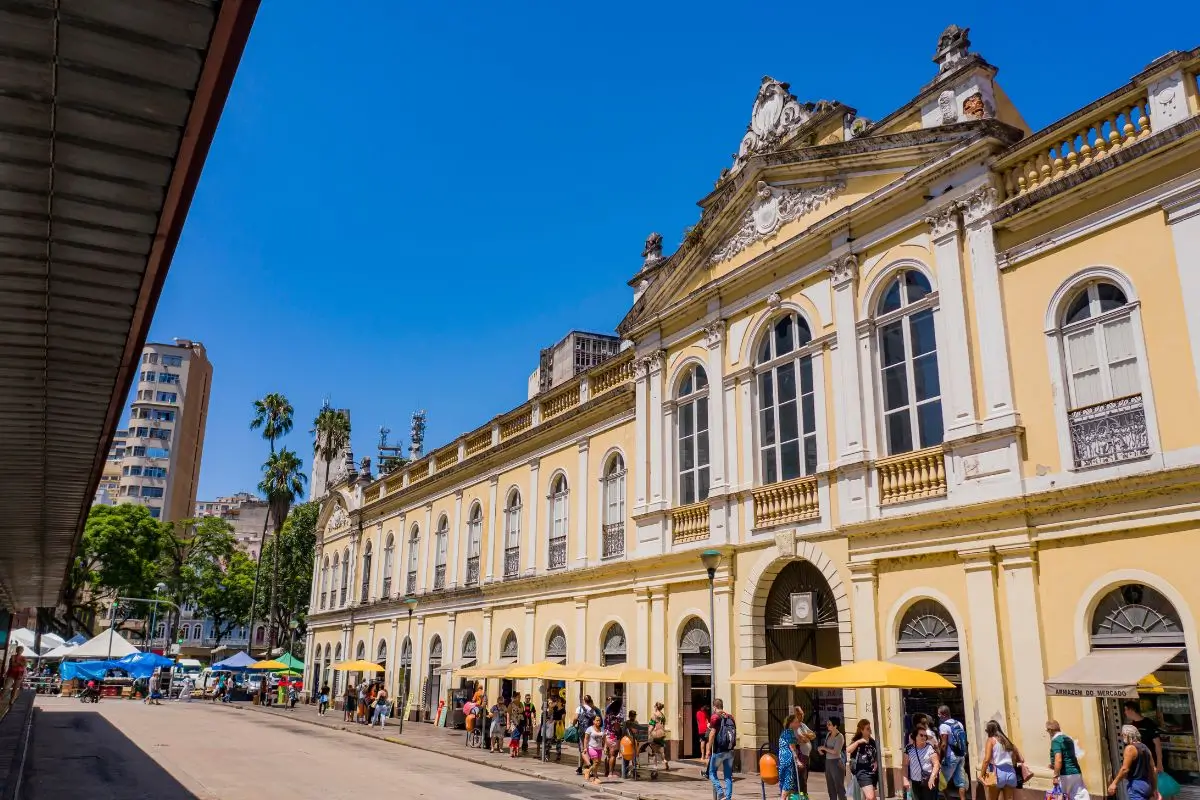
(77, 639)
(87, 670)
(142, 665)
(236, 662)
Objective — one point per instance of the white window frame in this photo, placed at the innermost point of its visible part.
(694, 399)
(512, 521)
(474, 530)
(614, 490)
(389, 551)
(813, 352)
(414, 547)
(1059, 384)
(559, 516)
(441, 542)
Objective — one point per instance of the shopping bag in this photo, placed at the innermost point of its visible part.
(1167, 786)
(571, 735)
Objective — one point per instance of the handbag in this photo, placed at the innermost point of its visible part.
(1026, 773)
(571, 735)
(987, 777)
(1167, 786)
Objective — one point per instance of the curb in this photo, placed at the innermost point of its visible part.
(611, 790)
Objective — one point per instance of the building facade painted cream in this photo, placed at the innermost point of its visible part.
(929, 384)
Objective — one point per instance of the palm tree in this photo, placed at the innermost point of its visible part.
(282, 484)
(332, 431)
(274, 415)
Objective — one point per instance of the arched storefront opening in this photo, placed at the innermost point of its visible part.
(801, 624)
(928, 639)
(433, 681)
(381, 659)
(509, 653)
(695, 668)
(1138, 661)
(337, 674)
(405, 676)
(613, 650)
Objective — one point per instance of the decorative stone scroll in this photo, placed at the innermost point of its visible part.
(652, 253)
(776, 114)
(943, 221)
(337, 520)
(714, 332)
(773, 207)
(843, 270)
(978, 204)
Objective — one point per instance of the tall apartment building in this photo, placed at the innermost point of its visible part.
(110, 476)
(165, 439)
(246, 513)
(576, 352)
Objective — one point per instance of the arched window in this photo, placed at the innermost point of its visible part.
(613, 534)
(160, 631)
(557, 557)
(197, 632)
(512, 535)
(324, 581)
(406, 653)
(470, 649)
(1105, 410)
(389, 552)
(381, 653)
(613, 649)
(508, 645)
(345, 575)
(259, 634)
(414, 544)
(366, 573)
(442, 543)
(910, 387)
(337, 674)
(928, 639)
(787, 408)
(692, 433)
(556, 645)
(337, 561)
(695, 648)
(474, 543)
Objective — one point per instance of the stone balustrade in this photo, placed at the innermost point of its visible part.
(689, 523)
(516, 424)
(478, 442)
(912, 476)
(790, 501)
(561, 402)
(446, 458)
(612, 374)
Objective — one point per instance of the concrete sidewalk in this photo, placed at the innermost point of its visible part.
(682, 782)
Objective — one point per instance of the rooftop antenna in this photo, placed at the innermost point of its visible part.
(391, 456)
(417, 435)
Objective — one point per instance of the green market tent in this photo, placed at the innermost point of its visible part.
(292, 662)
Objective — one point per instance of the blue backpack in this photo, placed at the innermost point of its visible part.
(957, 738)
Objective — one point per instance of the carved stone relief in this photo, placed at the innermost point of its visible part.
(952, 47)
(652, 252)
(337, 520)
(843, 269)
(978, 204)
(714, 332)
(943, 221)
(775, 115)
(975, 107)
(947, 105)
(773, 207)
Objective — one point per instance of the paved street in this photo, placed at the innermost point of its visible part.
(121, 750)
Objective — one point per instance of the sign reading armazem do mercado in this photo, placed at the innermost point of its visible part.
(1067, 690)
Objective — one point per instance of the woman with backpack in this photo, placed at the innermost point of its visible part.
(922, 766)
(863, 753)
(584, 716)
(1001, 760)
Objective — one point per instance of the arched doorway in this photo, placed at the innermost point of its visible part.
(801, 624)
(405, 676)
(695, 668)
(927, 638)
(613, 650)
(337, 674)
(381, 659)
(509, 653)
(433, 681)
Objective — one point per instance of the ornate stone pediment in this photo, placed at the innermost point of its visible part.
(337, 520)
(773, 207)
(776, 114)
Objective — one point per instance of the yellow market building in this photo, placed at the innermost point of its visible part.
(929, 386)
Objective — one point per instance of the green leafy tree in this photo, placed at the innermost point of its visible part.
(274, 414)
(294, 546)
(282, 484)
(118, 555)
(224, 593)
(331, 432)
(189, 549)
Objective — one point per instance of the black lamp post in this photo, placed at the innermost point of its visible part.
(711, 560)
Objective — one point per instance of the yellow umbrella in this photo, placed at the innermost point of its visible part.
(357, 666)
(542, 670)
(874, 675)
(585, 671)
(496, 670)
(625, 673)
(270, 664)
(781, 673)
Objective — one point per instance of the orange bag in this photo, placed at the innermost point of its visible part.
(627, 749)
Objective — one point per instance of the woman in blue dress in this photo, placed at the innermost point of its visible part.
(789, 754)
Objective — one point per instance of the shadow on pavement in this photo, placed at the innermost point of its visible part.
(533, 790)
(81, 754)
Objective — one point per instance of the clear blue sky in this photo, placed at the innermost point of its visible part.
(405, 201)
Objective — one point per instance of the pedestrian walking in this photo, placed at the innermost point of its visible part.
(658, 733)
(835, 759)
(722, 741)
(584, 716)
(702, 717)
(804, 740)
(1137, 767)
(381, 708)
(922, 766)
(1148, 729)
(530, 715)
(1064, 760)
(323, 700)
(952, 749)
(360, 713)
(349, 703)
(15, 675)
(863, 755)
(999, 766)
(516, 727)
(612, 735)
(496, 715)
(593, 748)
(788, 754)
(293, 696)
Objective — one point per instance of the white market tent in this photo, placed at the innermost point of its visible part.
(99, 647)
(62, 651)
(26, 638)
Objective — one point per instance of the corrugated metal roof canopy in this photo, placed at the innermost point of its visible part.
(107, 108)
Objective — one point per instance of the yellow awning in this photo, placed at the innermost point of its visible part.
(874, 675)
(270, 664)
(494, 670)
(781, 673)
(358, 666)
(922, 659)
(626, 673)
(1114, 672)
(542, 670)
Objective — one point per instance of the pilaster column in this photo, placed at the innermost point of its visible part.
(450, 648)
(989, 310)
(371, 645)
(953, 342)
(714, 340)
(657, 360)
(1183, 219)
(377, 565)
(658, 640)
(745, 470)
(346, 654)
(528, 649)
(484, 649)
(864, 591)
(848, 420)
(489, 545)
(584, 482)
(984, 640)
(391, 676)
(579, 636)
(418, 667)
(1025, 632)
(641, 395)
(429, 545)
(723, 638)
(352, 587)
(455, 535)
(641, 657)
(316, 582)
(535, 501)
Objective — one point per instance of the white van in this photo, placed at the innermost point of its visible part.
(184, 668)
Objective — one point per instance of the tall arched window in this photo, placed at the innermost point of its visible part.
(910, 387)
(324, 581)
(414, 544)
(389, 552)
(613, 543)
(692, 434)
(366, 573)
(259, 634)
(512, 535)
(557, 557)
(337, 674)
(441, 545)
(333, 587)
(474, 543)
(345, 575)
(1105, 410)
(787, 408)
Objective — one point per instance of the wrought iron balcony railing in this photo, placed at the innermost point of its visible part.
(512, 562)
(439, 577)
(558, 553)
(473, 571)
(410, 586)
(1108, 432)
(614, 540)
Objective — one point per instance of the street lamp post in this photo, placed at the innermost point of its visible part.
(411, 602)
(158, 589)
(711, 560)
